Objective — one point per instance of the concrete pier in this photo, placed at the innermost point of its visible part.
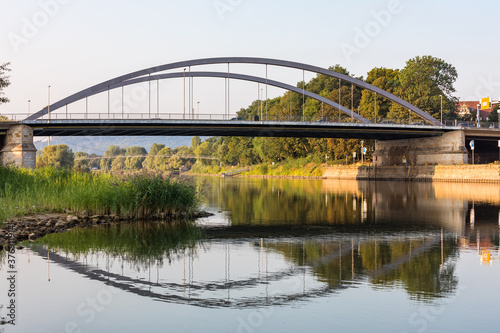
(16, 146)
(448, 148)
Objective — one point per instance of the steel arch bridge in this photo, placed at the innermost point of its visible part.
(145, 75)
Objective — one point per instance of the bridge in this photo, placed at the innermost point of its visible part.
(428, 141)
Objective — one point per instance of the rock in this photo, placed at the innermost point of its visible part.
(71, 218)
(60, 224)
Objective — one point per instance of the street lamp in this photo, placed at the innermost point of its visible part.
(441, 110)
(48, 102)
(261, 103)
(352, 100)
(184, 112)
(198, 110)
(29, 102)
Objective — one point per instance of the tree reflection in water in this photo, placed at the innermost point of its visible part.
(169, 263)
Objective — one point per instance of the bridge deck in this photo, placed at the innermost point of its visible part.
(232, 128)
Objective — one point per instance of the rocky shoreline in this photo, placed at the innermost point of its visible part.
(19, 229)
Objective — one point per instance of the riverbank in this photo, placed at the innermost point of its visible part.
(484, 173)
(42, 201)
(27, 192)
(30, 228)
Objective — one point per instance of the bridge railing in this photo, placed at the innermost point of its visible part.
(225, 117)
(472, 124)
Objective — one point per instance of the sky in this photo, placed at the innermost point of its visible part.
(73, 44)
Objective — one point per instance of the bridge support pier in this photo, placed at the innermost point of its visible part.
(17, 147)
(446, 149)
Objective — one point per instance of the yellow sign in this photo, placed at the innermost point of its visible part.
(486, 257)
(485, 103)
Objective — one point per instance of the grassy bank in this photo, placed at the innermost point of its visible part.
(301, 167)
(24, 192)
(297, 168)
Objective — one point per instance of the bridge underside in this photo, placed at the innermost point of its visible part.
(231, 128)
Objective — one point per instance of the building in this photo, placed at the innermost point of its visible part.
(466, 108)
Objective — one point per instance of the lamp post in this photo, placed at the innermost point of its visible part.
(198, 111)
(48, 108)
(184, 100)
(29, 102)
(441, 110)
(48, 102)
(352, 100)
(261, 96)
(478, 115)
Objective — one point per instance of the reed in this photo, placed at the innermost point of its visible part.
(24, 192)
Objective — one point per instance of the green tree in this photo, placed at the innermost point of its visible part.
(493, 117)
(422, 83)
(149, 160)
(58, 156)
(82, 163)
(135, 157)
(195, 141)
(4, 81)
(109, 156)
(118, 164)
(161, 161)
(385, 79)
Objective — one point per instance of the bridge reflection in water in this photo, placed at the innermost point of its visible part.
(344, 237)
(262, 272)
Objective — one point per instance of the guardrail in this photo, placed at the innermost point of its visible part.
(223, 117)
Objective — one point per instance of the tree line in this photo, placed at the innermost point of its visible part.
(117, 159)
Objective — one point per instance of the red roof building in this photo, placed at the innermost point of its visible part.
(466, 108)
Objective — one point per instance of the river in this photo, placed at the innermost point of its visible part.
(278, 255)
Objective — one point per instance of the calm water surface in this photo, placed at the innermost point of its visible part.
(277, 256)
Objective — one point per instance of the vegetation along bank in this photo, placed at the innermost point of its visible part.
(86, 198)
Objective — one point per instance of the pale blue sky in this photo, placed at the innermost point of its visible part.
(86, 42)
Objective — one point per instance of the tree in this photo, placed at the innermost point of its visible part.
(149, 161)
(81, 161)
(4, 81)
(195, 141)
(134, 157)
(422, 83)
(58, 156)
(385, 79)
(493, 117)
(109, 156)
(161, 161)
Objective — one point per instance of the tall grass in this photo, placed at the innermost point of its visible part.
(25, 191)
